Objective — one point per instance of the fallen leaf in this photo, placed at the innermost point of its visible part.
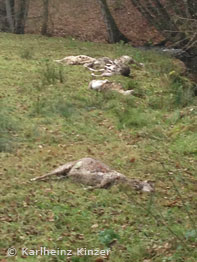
(80, 236)
(132, 160)
(94, 226)
(99, 259)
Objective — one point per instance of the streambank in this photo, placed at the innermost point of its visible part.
(189, 58)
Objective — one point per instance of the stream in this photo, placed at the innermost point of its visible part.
(189, 60)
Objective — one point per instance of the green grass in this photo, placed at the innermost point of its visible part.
(48, 117)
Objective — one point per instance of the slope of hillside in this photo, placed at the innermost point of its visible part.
(48, 117)
(83, 20)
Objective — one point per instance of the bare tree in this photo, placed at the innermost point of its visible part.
(21, 16)
(44, 29)
(13, 15)
(175, 20)
(10, 14)
(114, 34)
(3, 25)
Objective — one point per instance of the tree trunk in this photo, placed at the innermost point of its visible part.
(44, 30)
(10, 14)
(21, 16)
(114, 34)
(158, 16)
(177, 22)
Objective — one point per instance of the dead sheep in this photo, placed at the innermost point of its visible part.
(94, 173)
(104, 65)
(103, 85)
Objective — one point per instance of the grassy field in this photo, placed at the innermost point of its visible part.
(48, 117)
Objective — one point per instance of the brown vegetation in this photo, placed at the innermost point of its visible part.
(83, 20)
